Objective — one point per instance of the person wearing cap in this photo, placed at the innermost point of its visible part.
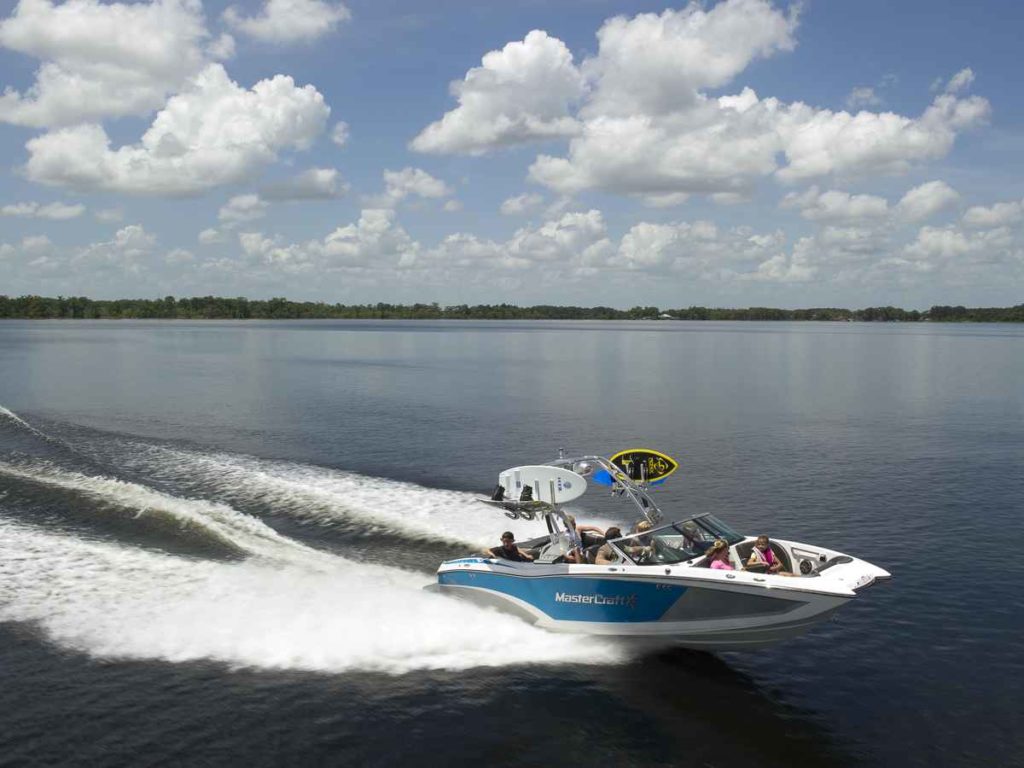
(718, 556)
(508, 550)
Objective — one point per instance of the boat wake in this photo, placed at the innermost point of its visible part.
(326, 496)
(22, 424)
(284, 605)
(116, 602)
(240, 532)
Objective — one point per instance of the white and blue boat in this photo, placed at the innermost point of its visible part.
(659, 585)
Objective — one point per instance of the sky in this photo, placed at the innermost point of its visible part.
(594, 152)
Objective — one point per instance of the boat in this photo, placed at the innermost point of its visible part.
(659, 585)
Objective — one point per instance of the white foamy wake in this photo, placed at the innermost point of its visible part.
(115, 602)
(12, 416)
(326, 495)
(231, 527)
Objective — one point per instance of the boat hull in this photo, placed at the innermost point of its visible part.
(694, 608)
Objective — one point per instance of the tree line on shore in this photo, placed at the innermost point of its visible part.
(221, 308)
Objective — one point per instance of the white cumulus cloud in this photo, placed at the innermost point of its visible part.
(210, 236)
(520, 93)
(863, 96)
(399, 185)
(375, 242)
(1000, 214)
(311, 184)
(242, 208)
(924, 201)
(52, 211)
(647, 127)
(36, 244)
(179, 256)
(289, 21)
(836, 206)
(960, 81)
(520, 204)
(125, 253)
(656, 64)
(820, 142)
(214, 132)
(340, 133)
(101, 59)
(954, 251)
(566, 246)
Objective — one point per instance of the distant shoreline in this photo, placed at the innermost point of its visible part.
(240, 308)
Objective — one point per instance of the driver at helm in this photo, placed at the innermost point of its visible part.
(605, 554)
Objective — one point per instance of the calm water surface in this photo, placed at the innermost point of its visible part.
(213, 538)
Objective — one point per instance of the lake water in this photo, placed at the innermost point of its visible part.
(213, 537)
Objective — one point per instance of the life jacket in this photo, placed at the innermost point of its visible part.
(767, 557)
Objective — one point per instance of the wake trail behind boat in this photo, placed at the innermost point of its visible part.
(326, 496)
(287, 605)
(11, 417)
(114, 602)
(239, 531)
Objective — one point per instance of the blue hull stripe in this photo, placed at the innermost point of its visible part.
(577, 598)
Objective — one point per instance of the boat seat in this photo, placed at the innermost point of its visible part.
(549, 553)
(590, 553)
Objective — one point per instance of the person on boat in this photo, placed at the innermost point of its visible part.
(605, 555)
(718, 556)
(508, 550)
(586, 533)
(640, 546)
(693, 540)
(763, 559)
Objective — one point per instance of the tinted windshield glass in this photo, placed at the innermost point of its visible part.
(718, 529)
(676, 543)
(665, 545)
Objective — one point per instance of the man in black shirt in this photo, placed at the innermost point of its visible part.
(508, 549)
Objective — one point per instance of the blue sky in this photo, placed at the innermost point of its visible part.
(730, 154)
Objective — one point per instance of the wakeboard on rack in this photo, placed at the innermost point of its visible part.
(528, 490)
(641, 465)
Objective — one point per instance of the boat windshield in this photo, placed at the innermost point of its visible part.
(676, 543)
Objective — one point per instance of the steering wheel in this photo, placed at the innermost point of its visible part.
(646, 556)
